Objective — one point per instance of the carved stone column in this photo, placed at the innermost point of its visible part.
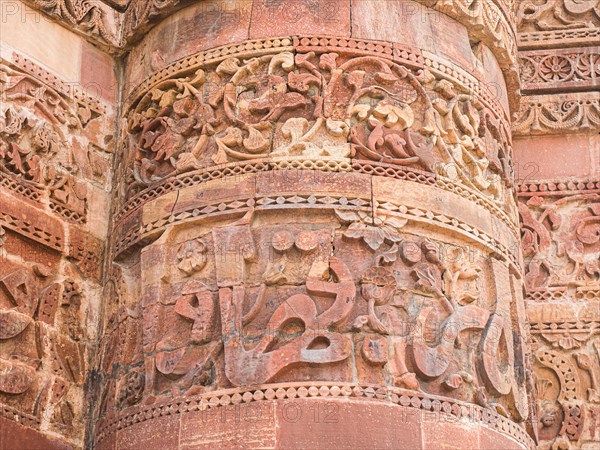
(315, 238)
(558, 148)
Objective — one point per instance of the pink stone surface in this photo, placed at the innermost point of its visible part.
(299, 224)
(297, 17)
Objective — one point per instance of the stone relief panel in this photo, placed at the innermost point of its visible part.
(558, 113)
(54, 142)
(566, 350)
(44, 338)
(253, 302)
(546, 15)
(55, 157)
(296, 286)
(558, 23)
(315, 210)
(343, 106)
(562, 70)
(560, 246)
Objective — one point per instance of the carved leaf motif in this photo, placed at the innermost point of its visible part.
(395, 116)
(228, 67)
(15, 378)
(396, 223)
(426, 281)
(255, 142)
(355, 79)
(361, 111)
(301, 82)
(12, 323)
(373, 231)
(347, 216)
(588, 229)
(389, 256)
(328, 61)
(555, 219)
(529, 243)
(372, 236)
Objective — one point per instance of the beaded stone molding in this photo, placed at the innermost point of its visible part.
(130, 234)
(451, 409)
(558, 187)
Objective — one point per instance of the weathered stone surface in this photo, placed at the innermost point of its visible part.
(299, 224)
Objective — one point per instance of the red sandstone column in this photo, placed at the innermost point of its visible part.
(557, 148)
(315, 238)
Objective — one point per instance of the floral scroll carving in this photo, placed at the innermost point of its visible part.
(316, 106)
(560, 241)
(45, 141)
(547, 15)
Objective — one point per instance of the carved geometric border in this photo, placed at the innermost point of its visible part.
(326, 165)
(563, 293)
(586, 327)
(559, 38)
(558, 187)
(30, 231)
(259, 202)
(12, 183)
(28, 420)
(346, 391)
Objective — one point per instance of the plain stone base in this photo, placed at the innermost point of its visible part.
(14, 436)
(309, 424)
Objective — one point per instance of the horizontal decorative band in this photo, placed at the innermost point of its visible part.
(552, 114)
(128, 236)
(564, 69)
(401, 54)
(558, 187)
(331, 391)
(325, 165)
(560, 38)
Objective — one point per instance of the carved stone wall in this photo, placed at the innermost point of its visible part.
(299, 223)
(56, 150)
(557, 146)
(304, 216)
